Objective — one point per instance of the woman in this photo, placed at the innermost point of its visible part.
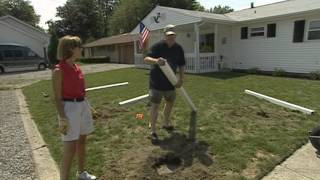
(75, 119)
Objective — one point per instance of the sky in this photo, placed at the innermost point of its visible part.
(47, 8)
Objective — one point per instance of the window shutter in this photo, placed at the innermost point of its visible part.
(244, 33)
(298, 33)
(271, 31)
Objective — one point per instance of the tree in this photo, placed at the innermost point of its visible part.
(53, 44)
(220, 9)
(88, 19)
(106, 8)
(81, 18)
(127, 15)
(20, 9)
(122, 19)
(182, 4)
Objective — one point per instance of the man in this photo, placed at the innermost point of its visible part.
(165, 51)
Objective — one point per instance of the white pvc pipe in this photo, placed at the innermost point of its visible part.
(280, 102)
(188, 99)
(133, 100)
(107, 86)
(173, 80)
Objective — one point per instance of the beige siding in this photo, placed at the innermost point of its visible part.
(280, 52)
(103, 51)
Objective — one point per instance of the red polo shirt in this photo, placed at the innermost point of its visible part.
(73, 85)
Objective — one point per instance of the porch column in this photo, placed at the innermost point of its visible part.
(135, 50)
(216, 51)
(196, 48)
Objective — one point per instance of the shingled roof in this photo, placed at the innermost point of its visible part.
(118, 39)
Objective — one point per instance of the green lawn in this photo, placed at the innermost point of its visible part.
(237, 136)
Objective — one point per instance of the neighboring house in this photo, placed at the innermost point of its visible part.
(118, 48)
(15, 31)
(283, 35)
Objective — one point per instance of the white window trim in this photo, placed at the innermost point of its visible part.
(308, 30)
(257, 37)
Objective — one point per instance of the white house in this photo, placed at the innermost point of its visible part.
(13, 30)
(283, 35)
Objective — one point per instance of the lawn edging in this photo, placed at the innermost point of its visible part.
(46, 167)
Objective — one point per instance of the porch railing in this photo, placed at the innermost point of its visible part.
(206, 63)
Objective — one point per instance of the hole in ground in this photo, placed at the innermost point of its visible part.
(167, 164)
(263, 114)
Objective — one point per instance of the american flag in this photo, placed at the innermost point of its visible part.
(144, 33)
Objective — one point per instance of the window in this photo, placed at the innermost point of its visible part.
(314, 30)
(8, 53)
(244, 33)
(257, 32)
(17, 53)
(271, 31)
(32, 54)
(298, 32)
(207, 42)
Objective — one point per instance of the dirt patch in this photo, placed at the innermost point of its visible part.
(132, 165)
(174, 157)
(238, 134)
(252, 167)
(107, 112)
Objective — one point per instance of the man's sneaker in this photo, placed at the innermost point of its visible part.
(86, 176)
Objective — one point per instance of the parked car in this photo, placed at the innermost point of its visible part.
(15, 57)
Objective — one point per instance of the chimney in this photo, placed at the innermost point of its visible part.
(252, 4)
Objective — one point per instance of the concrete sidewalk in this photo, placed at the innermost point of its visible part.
(302, 165)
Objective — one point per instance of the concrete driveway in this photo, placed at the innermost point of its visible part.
(15, 80)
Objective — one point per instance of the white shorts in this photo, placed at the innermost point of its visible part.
(79, 118)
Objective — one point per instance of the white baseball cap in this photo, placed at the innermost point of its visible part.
(169, 30)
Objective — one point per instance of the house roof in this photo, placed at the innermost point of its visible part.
(200, 14)
(288, 7)
(4, 18)
(182, 16)
(118, 39)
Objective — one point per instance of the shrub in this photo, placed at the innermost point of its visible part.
(314, 75)
(279, 72)
(253, 70)
(95, 60)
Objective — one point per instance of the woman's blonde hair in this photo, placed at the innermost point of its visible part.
(66, 45)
